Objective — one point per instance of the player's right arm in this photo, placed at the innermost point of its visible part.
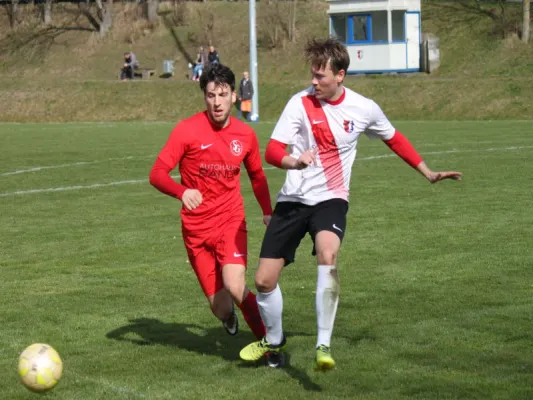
(276, 155)
(285, 133)
(169, 157)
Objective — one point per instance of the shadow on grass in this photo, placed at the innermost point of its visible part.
(299, 375)
(33, 45)
(192, 337)
(177, 41)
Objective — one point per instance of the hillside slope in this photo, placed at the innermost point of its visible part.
(66, 72)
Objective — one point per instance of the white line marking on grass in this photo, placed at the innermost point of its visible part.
(119, 389)
(446, 152)
(133, 181)
(76, 164)
(81, 163)
(104, 382)
(78, 187)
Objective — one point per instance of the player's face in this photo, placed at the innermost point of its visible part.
(219, 99)
(325, 82)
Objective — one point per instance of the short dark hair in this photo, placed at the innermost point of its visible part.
(219, 74)
(319, 51)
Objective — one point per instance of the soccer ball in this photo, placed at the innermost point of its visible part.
(40, 367)
(254, 117)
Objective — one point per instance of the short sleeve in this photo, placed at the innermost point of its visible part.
(379, 127)
(290, 123)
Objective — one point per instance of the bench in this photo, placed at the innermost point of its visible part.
(144, 73)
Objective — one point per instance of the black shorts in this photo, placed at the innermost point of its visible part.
(291, 221)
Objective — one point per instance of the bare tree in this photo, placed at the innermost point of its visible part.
(292, 21)
(105, 14)
(525, 21)
(151, 7)
(47, 12)
(278, 23)
(12, 12)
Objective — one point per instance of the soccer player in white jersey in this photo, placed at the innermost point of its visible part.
(321, 125)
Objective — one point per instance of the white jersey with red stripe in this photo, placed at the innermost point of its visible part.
(334, 127)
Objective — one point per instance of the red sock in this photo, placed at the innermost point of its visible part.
(250, 312)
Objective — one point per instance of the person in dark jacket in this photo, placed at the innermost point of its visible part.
(129, 66)
(212, 56)
(246, 93)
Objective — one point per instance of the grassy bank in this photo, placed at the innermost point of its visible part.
(67, 73)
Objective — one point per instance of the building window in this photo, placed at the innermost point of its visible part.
(339, 27)
(368, 28)
(398, 25)
(361, 28)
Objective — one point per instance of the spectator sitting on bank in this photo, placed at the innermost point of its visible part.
(129, 66)
(212, 56)
(199, 64)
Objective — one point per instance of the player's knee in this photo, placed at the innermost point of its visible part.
(267, 275)
(327, 256)
(265, 284)
(236, 290)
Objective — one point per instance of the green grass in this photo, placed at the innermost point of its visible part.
(436, 280)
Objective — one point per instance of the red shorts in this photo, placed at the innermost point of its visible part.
(210, 251)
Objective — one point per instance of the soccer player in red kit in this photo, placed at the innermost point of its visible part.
(209, 148)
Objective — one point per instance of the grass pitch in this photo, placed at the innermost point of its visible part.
(436, 293)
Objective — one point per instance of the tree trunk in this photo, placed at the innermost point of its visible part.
(47, 12)
(106, 16)
(292, 22)
(13, 13)
(151, 10)
(525, 21)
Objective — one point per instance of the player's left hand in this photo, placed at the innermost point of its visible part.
(266, 219)
(435, 177)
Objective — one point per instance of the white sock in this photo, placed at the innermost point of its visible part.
(327, 300)
(271, 308)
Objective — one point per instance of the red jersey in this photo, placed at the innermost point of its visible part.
(210, 161)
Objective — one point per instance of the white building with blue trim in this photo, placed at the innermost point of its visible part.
(382, 36)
